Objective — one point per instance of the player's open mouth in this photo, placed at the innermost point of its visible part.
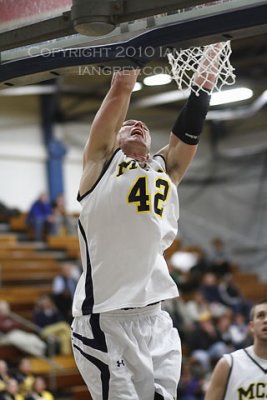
(137, 132)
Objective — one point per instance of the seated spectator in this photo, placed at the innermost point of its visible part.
(232, 297)
(11, 391)
(64, 223)
(14, 333)
(24, 375)
(39, 391)
(219, 258)
(191, 385)
(206, 343)
(239, 331)
(197, 272)
(223, 324)
(197, 306)
(4, 375)
(48, 318)
(40, 218)
(63, 289)
(210, 291)
(209, 288)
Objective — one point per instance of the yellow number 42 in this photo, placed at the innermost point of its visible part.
(140, 196)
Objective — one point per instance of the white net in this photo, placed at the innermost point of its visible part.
(207, 68)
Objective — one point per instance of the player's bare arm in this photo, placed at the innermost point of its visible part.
(217, 385)
(184, 137)
(106, 124)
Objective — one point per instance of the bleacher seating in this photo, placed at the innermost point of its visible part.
(17, 223)
(64, 374)
(65, 242)
(250, 285)
(26, 273)
(23, 298)
(7, 239)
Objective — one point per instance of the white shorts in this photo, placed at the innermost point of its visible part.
(132, 354)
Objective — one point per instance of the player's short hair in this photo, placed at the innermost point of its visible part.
(252, 311)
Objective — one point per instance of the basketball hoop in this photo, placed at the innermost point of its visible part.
(186, 63)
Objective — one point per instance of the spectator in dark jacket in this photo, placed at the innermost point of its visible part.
(206, 342)
(52, 324)
(63, 289)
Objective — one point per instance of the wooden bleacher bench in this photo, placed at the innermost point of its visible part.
(24, 263)
(28, 253)
(62, 241)
(6, 239)
(80, 393)
(9, 352)
(65, 375)
(69, 378)
(59, 363)
(23, 298)
(250, 285)
(40, 268)
(65, 242)
(23, 294)
(15, 245)
(73, 252)
(18, 223)
(25, 274)
(9, 252)
(20, 278)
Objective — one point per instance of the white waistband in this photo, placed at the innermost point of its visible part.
(132, 312)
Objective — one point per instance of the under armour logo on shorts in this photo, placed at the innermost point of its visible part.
(120, 363)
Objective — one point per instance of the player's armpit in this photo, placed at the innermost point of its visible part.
(218, 382)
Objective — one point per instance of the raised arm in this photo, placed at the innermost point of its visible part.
(106, 124)
(185, 133)
(217, 386)
(110, 116)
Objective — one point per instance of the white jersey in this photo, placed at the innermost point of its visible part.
(247, 377)
(128, 219)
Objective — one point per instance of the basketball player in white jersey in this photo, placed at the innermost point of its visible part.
(125, 347)
(242, 375)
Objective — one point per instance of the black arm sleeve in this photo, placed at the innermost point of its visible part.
(190, 121)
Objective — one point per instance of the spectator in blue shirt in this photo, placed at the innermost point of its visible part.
(40, 217)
